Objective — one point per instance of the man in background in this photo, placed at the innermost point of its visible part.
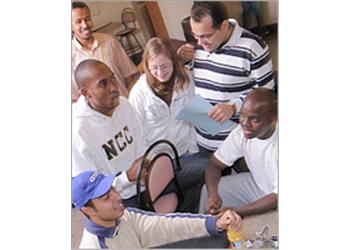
(103, 47)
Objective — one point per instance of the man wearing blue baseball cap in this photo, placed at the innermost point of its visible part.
(110, 225)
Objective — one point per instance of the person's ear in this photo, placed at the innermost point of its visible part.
(274, 120)
(84, 92)
(88, 211)
(225, 25)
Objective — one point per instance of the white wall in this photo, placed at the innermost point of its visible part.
(107, 11)
(173, 12)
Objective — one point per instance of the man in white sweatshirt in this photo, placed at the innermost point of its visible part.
(109, 225)
(106, 134)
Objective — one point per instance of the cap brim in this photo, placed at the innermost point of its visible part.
(104, 186)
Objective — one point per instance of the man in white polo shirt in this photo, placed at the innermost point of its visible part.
(255, 139)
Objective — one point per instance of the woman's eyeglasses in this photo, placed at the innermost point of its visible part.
(162, 67)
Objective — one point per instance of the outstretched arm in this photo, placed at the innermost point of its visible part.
(159, 229)
(212, 178)
(264, 204)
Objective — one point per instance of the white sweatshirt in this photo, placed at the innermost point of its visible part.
(107, 144)
(159, 120)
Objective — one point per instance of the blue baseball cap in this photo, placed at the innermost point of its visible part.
(90, 185)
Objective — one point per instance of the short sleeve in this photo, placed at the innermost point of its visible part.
(231, 149)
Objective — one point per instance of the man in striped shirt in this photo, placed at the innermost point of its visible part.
(228, 63)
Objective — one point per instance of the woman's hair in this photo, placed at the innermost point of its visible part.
(155, 47)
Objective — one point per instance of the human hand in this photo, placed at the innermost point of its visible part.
(133, 170)
(213, 204)
(228, 218)
(222, 112)
(186, 52)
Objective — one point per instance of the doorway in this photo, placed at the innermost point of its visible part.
(151, 20)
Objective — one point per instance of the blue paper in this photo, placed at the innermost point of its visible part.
(196, 112)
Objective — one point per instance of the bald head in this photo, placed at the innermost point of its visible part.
(97, 83)
(264, 99)
(85, 70)
(258, 116)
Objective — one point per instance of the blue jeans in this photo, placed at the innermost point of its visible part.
(191, 180)
(132, 201)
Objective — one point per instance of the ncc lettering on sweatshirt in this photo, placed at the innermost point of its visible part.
(122, 139)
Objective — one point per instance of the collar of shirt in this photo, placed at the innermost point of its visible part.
(236, 34)
(106, 232)
(83, 109)
(78, 45)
